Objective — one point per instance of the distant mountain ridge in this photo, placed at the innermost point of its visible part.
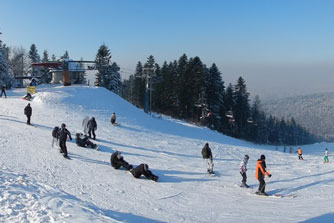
(314, 112)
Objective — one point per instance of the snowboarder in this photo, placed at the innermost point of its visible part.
(260, 173)
(243, 170)
(92, 126)
(55, 135)
(3, 91)
(83, 141)
(62, 135)
(207, 156)
(117, 161)
(300, 154)
(28, 113)
(27, 97)
(113, 118)
(326, 156)
(142, 169)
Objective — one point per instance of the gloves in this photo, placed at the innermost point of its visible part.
(269, 175)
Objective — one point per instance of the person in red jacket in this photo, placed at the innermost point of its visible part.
(260, 173)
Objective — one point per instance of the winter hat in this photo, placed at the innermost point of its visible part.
(63, 125)
(246, 157)
(262, 157)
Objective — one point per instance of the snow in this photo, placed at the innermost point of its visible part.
(38, 185)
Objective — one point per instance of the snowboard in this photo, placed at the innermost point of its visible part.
(116, 124)
(277, 195)
(96, 148)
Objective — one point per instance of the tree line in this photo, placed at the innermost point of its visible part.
(188, 89)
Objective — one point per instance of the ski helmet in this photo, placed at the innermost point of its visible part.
(262, 157)
(63, 125)
(246, 157)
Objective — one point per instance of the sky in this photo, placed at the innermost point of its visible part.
(278, 47)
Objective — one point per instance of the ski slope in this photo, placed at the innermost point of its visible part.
(38, 185)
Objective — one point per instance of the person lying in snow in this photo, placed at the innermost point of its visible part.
(142, 169)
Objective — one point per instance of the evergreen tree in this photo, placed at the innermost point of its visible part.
(65, 56)
(34, 58)
(228, 122)
(5, 78)
(215, 96)
(45, 77)
(241, 109)
(139, 86)
(103, 59)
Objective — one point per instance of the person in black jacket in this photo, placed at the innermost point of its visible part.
(3, 91)
(28, 113)
(117, 161)
(207, 156)
(62, 136)
(92, 126)
(83, 141)
(260, 172)
(142, 169)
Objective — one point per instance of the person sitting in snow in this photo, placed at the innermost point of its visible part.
(260, 173)
(92, 126)
(83, 141)
(243, 170)
(117, 161)
(142, 169)
(113, 118)
(207, 156)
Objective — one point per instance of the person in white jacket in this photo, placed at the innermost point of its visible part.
(243, 170)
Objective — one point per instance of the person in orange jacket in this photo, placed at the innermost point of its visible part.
(300, 153)
(260, 173)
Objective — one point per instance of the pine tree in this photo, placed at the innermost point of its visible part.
(215, 96)
(45, 77)
(5, 78)
(228, 122)
(65, 56)
(241, 109)
(34, 58)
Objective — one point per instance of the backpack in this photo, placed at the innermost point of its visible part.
(205, 153)
(55, 131)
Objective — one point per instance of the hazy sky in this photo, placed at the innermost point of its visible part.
(278, 47)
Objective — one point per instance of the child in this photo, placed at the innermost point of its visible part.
(260, 173)
(243, 170)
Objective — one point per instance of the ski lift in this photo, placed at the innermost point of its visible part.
(250, 120)
(229, 114)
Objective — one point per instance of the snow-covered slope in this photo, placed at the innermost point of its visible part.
(38, 185)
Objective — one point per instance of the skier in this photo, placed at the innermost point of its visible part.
(207, 156)
(113, 118)
(300, 153)
(54, 135)
(142, 169)
(62, 135)
(117, 161)
(83, 141)
(326, 156)
(243, 170)
(92, 126)
(260, 173)
(28, 113)
(3, 91)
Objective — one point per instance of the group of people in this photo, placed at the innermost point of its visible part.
(117, 161)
